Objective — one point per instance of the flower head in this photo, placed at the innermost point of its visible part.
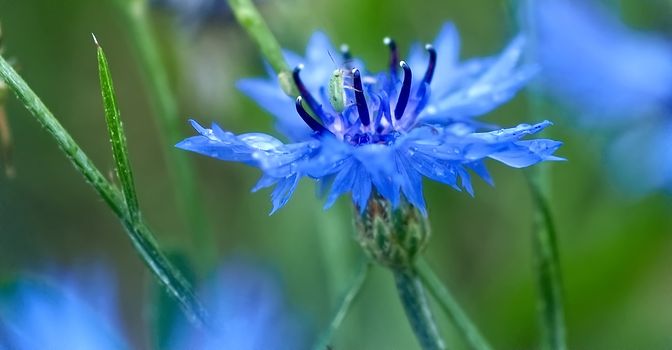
(195, 12)
(247, 313)
(596, 63)
(618, 80)
(383, 131)
(68, 315)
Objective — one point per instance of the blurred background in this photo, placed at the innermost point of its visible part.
(615, 249)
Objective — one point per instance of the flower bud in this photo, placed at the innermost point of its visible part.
(393, 237)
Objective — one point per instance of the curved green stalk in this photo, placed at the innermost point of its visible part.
(447, 302)
(168, 118)
(140, 235)
(547, 268)
(544, 241)
(344, 307)
(251, 20)
(418, 312)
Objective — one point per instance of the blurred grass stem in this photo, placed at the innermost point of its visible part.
(344, 306)
(544, 238)
(141, 237)
(167, 115)
(472, 336)
(251, 20)
(547, 266)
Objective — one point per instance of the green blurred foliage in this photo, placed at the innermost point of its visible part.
(616, 251)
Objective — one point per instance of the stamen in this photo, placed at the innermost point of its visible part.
(303, 91)
(394, 54)
(345, 52)
(429, 74)
(362, 108)
(312, 123)
(405, 91)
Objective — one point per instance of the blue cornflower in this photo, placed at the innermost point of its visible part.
(390, 131)
(195, 12)
(618, 80)
(66, 314)
(247, 312)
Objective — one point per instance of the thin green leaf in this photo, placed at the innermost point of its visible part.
(166, 111)
(343, 307)
(450, 306)
(117, 136)
(547, 266)
(142, 238)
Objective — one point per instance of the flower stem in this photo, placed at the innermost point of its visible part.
(412, 295)
(141, 237)
(167, 115)
(251, 20)
(447, 302)
(547, 268)
(344, 306)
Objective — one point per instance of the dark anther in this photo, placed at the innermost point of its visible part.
(303, 91)
(431, 65)
(362, 108)
(312, 123)
(405, 91)
(394, 54)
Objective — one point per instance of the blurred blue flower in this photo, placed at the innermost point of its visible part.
(247, 313)
(618, 79)
(383, 131)
(67, 314)
(592, 60)
(195, 12)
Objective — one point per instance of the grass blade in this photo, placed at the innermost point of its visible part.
(117, 137)
(166, 111)
(141, 237)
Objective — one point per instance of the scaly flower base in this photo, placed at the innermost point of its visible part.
(394, 238)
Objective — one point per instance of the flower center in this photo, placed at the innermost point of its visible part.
(374, 108)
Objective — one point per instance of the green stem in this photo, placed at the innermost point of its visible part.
(140, 235)
(547, 266)
(344, 307)
(547, 269)
(168, 118)
(450, 306)
(413, 298)
(251, 20)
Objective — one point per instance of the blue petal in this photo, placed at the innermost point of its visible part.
(411, 183)
(268, 95)
(378, 160)
(465, 180)
(479, 168)
(434, 169)
(495, 85)
(264, 182)
(641, 159)
(293, 59)
(447, 46)
(61, 314)
(283, 191)
(525, 153)
(224, 146)
(595, 63)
